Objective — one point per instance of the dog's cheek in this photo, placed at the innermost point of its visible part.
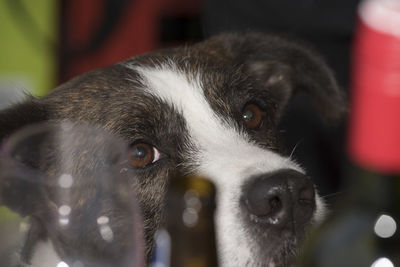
(321, 211)
(150, 192)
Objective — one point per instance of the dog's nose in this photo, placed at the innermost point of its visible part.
(282, 198)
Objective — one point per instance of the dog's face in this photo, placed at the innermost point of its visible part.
(211, 108)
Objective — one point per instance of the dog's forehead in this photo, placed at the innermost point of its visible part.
(221, 84)
(224, 85)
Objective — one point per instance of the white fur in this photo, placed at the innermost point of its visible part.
(224, 154)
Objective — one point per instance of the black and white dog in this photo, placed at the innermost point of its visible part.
(210, 108)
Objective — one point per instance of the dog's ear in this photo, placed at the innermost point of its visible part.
(285, 67)
(18, 194)
(19, 115)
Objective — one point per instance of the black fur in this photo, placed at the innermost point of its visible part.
(234, 68)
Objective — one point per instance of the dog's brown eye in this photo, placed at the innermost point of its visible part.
(252, 116)
(142, 154)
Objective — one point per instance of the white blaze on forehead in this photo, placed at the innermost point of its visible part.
(223, 154)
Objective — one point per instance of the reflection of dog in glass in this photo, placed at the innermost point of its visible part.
(211, 108)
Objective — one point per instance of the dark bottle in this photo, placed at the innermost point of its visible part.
(188, 238)
(364, 229)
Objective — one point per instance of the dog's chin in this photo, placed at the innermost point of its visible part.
(281, 253)
(264, 252)
(284, 255)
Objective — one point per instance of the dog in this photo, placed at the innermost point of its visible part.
(211, 108)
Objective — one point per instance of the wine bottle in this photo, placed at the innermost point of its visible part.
(188, 237)
(364, 229)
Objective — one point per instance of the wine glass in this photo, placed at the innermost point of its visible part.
(68, 192)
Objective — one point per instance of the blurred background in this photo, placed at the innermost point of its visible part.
(46, 42)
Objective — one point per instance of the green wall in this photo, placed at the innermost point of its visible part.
(28, 39)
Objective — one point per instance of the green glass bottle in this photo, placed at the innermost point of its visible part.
(364, 229)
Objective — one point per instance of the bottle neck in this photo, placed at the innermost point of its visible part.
(374, 188)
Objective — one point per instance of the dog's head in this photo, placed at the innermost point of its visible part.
(211, 108)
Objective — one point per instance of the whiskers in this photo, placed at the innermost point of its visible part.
(332, 195)
(331, 199)
(294, 148)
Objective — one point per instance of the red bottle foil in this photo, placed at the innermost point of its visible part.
(374, 134)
